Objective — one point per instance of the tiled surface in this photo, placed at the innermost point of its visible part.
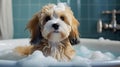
(23, 10)
(90, 12)
(86, 11)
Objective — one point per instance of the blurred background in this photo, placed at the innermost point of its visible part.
(88, 12)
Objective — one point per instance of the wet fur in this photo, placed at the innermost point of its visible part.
(64, 49)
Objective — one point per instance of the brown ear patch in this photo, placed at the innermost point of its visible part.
(34, 29)
(74, 34)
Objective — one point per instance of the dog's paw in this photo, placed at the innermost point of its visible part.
(75, 41)
(23, 50)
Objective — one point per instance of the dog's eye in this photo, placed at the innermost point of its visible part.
(47, 18)
(62, 18)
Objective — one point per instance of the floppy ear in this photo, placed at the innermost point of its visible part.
(74, 34)
(34, 29)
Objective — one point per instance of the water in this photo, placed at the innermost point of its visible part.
(84, 57)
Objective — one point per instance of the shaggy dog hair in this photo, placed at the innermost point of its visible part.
(53, 31)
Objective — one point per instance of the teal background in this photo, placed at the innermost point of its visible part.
(86, 11)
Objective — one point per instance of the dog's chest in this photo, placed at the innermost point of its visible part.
(55, 48)
(57, 51)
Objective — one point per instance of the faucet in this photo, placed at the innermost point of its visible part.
(113, 25)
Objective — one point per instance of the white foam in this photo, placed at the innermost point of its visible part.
(60, 7)
(84, 57)
(109, 54)
(99, 56)
(37, 59)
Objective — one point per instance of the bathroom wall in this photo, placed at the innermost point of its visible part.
(86, 11)
(23, 10)
(90, 13)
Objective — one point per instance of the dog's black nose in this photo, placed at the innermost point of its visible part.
(55, 26)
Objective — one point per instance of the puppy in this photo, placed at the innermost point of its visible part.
(53, 31)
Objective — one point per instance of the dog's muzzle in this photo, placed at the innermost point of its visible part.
(55, 26)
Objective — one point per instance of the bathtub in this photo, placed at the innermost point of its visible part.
(93, 44)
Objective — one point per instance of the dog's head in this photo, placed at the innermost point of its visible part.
(54, 23)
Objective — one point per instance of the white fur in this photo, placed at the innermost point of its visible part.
(55, 52)
(56, 37)
(63, 27)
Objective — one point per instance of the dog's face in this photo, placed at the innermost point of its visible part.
(55, 23)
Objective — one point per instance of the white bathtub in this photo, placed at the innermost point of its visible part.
(92, 44)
